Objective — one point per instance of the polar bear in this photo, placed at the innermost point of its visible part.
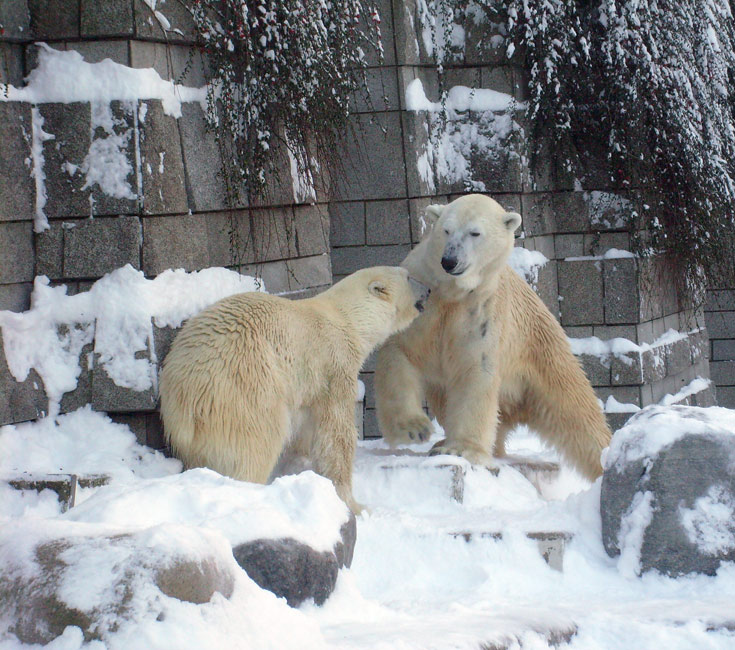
(255, 374)
(486, 354)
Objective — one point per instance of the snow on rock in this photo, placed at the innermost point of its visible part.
(83, 442)
(118, 314)
(710, 523)
(527, 263)
(65, 77)
(656, 426)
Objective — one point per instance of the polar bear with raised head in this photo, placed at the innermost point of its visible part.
(486, 354)
(255, 376)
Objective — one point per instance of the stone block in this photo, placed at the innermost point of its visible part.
(617, 420)
(699, 342)
(387, 222)
(373, 55)
(372, 166)
(723, 350)
(16, 252)
(568, 246)
(82, 394)
(179, 242)
(582, 332)
(97, 246)
(15, 297)
(108, 396)
(570, 212)
(11, 63)
(653, 364)
(63, 158)
(726, 396)
(720, 300)
(16, 21)
(417, 212)
(162, 167)
(96, 51)
(621, 295)
(485, 42)
(626, 370)
(202, 160)
(659, 510)
(547, 287)
(419, 152)
(501, 79)
(148, 27)
(371, 429)
(368, 379)
(181, 64)
(538, 214)
(678, 356)
(672, 384)
(311, 223)
(721, 325)
(580, 286)
(22, 401)
(296, 277)
(405, 15)
(609, 332)
(623, 394)
(109, 18)
(17, 187)
(380, 94)
(601, 242)
(292, 569)
(271, 235)
(722, 373)
(348, 260)
(347, 223)
(49, 258)
(163, 338)
(54, 19)
(597, 372)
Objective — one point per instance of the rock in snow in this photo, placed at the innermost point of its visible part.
(668, 493)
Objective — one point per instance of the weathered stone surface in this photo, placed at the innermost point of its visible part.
(97, 246)
(372, 166)
(387, 222)
(63, 158)
(348, 260)
(53, 19)
(682, 487)
(148, 27)
(175, 243)
(162, 167)
(17, 187)
(297, 277)
(108, 396)
(96, 51)
(16, 252)
(109, 18)
(722, 372)
(15, 19)
(179, 63)
(311, 224)
(621, 295)
(723, 350)
(420, 179)
(626, 369)
(293, 570)
(580, 286)
(15, 297)
(195, 581)
(203, 161)
(538, 214)
(82, 394)
(21, 401)
(597, 372)
(382, 92)
(347, 223)
(11, 63)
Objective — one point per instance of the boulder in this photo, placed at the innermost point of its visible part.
(295, 571)
(668, 492)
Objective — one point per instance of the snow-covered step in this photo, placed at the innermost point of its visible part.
(65, 485)
(555, 636)
(551, 544)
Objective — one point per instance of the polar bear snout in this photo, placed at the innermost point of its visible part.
(449, 263)
(420, 293)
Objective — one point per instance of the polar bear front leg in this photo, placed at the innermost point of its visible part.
(334, 439)
(398, 397)
(471, 422)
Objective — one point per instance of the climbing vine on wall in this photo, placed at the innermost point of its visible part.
(282, 73)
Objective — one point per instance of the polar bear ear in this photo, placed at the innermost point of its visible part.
(512, 220)
(433, 212)
(379, 288)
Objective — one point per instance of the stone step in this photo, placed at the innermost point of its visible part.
(537, 472)
(65, 485)
(551, 544)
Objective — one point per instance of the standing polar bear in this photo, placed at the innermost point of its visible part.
(486, 354)
(256, 375)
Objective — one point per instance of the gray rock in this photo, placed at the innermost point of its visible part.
(293, 570)
(53, 19)
(16, 252)
(15, 297)
(621, 295)
(15, 19)
(162, 167)
(580, 286)
(147, 25)
(97, 246)
(21, 401)
(676, 494)
(347, 223)
(17, 187)
(108, 396)
(388, 222)
(109, 18)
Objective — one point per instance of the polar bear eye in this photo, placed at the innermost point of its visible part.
(446, 231)
(474, 233)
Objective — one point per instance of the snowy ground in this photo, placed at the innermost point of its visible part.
(411, 585)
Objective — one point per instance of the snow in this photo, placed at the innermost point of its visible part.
(459, 99)
(657, 426)
(710, 523)
(632, 530)
(117, 313)
(527, 263)
(66, 77)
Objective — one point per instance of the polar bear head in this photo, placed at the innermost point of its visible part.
(468, 240)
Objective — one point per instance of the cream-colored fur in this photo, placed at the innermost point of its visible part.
(486, 353)
(255, 373)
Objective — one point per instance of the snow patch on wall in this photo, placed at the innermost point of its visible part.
(632, 531)
(710, 523)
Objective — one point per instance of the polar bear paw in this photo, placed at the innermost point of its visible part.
(472, 454)
(417, 428)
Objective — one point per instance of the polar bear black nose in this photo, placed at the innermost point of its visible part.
(449, 263)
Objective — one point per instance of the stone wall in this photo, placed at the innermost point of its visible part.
(177, 214)
(720, 317)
